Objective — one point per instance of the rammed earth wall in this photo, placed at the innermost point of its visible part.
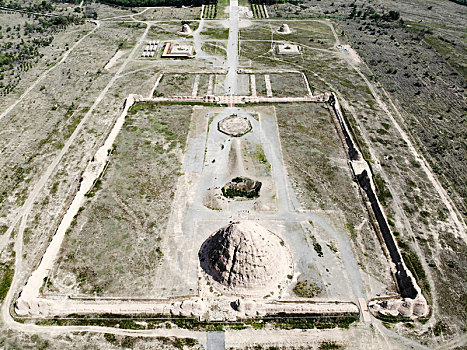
(408, 287)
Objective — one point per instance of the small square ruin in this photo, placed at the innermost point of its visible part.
(177, 50)
(287, 49)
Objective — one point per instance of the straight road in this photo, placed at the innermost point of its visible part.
(232, 50)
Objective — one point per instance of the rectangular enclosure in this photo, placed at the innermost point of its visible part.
(117, 243)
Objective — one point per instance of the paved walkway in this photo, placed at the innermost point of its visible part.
(232, 50)
(216, 341)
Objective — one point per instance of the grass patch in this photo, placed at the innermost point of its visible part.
(393, 319)
(382, 191)
(127, 210)
(6, 276)
(261, 157)
(280, 320)
(330, 345)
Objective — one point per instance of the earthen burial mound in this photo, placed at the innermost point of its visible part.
(234, 125)
(244, 257)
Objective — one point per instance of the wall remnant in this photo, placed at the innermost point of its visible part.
(414, 303)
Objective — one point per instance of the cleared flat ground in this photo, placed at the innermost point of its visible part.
(115, 245)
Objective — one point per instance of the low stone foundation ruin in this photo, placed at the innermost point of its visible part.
(241, 187)
(288, 49)
(234, 126)
(177, 50)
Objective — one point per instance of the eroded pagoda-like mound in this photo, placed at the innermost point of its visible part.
(284, 29)
(186, 29)
(245, 256)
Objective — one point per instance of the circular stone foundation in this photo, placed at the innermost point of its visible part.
(244, 258)
(234, 125)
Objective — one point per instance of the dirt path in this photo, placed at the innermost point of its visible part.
(57, 330)
(130, 16)
(114, 59)
(331, 26)
(197, 42)
(357, 337)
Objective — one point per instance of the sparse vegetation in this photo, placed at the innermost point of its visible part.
(328, 345)
(161, 3)
(20, 46)
(261, 157)
(414, 264)
(281, 87)
(175, 84)
(381, 190)
(130, 342)
(130, 199)
(306, 289)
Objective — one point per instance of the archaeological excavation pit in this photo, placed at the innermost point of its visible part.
(244, 257)
(242, 187)
(235, 126)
